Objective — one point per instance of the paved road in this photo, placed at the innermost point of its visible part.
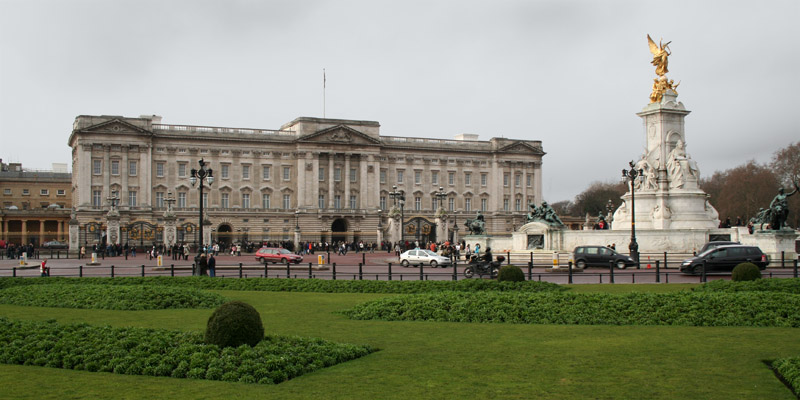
(375, 267)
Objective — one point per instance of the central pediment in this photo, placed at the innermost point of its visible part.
(521, 147)
(115, 126)
(339, 134)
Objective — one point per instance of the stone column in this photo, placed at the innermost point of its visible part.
(364, 197)
(314, 181)
(346, 177)
(125, 169)
(24, 234)
(302, 199)
(331, 188)
(106, 172)
(41, 231)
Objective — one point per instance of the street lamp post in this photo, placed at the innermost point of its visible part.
(631, 176)
(609, 216)
(399, 197)
(199, 175)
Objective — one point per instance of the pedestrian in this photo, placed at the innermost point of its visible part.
(212, 265)
(45, 271)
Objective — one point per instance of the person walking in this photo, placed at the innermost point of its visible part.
(212, 265)
(44, 270)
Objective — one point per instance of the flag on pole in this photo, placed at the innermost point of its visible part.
(324, 78)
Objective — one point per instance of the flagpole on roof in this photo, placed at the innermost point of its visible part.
(324, 84)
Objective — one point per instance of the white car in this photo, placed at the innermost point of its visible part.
(422, 256)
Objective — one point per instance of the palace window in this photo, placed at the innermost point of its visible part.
(182, 170)
(352, 202)
(467, 179)
(400, 176)
(225, 200)
(383, 176)
(160, 169)
(505, 204)
(528, 180)
(287, 173)
(434, 177)
(484, 204)
(467, 204)
(96, 167)
(506, 179)
(484, 178)
(321, 201)
(245, 200)
(337, 174)
(287, 202)
(417, 177)
(182, 199)
(451, 178)
(132, 198)
(265, 170)
(114, 167)
(96, 198)
(44, 192)
(517, 180)
(265, 201)
(205, 200)
(337, 201)
(352, 175)
(225, 171)
(321, 177)
(159, 199)
(132, 168)
(417, 203)
(245, 172)
(383, 203)
(451, 204)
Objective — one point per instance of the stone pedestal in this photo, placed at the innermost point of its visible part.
(170, 231)
(667, 196)
(442, 231)
(394, 230)
(773, 243)
(112, 227)
(74, 235)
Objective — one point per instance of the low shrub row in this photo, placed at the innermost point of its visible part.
(116, 297)
(158, 352)
(675, 308)
(298, 285)
(785, 285)
(789, 370)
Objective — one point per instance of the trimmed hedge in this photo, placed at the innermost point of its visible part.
(790, 285)
(298, 285)
(159, 352)
(745, 272)
(789, 370)
(117, 297)
(511, 273)
(233, 324)
(676, 308)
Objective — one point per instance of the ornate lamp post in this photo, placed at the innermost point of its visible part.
(401, 197)
(609, 215)
(201, 175)
(630, 176)
(440, 195)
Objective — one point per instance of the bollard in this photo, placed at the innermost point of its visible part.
(455, 270)
(240, 270)
(172, 270)
(142, 269)
(390, 271)
(309, 271)
(360, 271)
(531, 260)
(364, 258)
(14, 271)
(795, 268)
(508, 257)
(703, 277)
(783, 259)
(421, 268)
(658, 271)
(569, 267)
(530, 269)
(80, 271)
(334, 270)
(611, 265)
(112, 270)
(126, 255)
(288, 274)
(665, 261)
(328, 260)
(265, 269)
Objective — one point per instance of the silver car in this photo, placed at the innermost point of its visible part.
(421, 256)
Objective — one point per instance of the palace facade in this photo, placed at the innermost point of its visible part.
(328, 179)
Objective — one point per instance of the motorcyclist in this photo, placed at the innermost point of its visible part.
(487, 256)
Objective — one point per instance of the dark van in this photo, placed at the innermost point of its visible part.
(724, 259)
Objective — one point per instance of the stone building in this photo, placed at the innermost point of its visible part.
(35, 204)
(327, 179)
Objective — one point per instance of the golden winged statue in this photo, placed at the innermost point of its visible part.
(660, 54)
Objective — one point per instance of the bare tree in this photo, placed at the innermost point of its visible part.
(595, 198)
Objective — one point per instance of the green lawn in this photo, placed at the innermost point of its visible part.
(446, 360)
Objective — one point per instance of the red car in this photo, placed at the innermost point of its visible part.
(277, 255)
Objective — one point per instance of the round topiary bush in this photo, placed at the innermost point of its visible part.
(511, 273)
(746, 272)
(233, 324)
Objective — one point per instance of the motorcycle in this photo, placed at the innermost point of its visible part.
(482, 267)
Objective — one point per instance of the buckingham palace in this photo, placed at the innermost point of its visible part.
(314, 179)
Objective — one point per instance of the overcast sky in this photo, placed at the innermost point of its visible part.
(569, 73)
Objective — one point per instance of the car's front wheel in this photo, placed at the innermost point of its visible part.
(697, 270)
(581, 264)
(404, 263)
(285, 261)
(621, 264)
(434, 264)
